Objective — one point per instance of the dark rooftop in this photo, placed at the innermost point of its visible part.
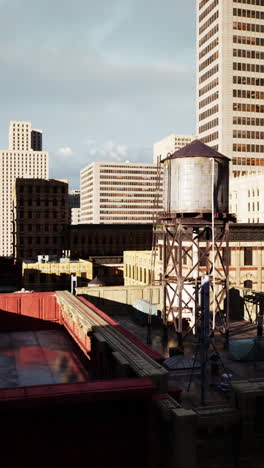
(195, 149)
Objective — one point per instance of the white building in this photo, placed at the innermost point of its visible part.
(169, 145)
(20, 160)
(230, 80)
(74, 207)
(247, 198)
(119, 193)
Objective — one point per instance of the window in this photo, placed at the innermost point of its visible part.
(248, 284)
(248, 255)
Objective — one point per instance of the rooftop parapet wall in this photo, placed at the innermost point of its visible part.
(82, 320)
(125, 294)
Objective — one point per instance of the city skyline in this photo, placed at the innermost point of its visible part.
(104, 81)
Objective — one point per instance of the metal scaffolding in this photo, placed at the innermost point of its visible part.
(192, 250)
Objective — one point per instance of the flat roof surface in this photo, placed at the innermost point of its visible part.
(38, 358)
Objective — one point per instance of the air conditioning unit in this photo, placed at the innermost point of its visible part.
(43, 258)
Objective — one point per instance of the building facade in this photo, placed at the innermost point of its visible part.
(24, 158)
(247, 198)
(52, 276)
(40, 216)
(230, 84)
(74, 207)
(120, 193)
(170, 144)
(105, 240)
(246, 260)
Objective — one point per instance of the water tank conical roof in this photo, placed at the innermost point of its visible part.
(196, 149)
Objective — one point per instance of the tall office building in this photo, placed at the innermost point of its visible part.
(74, 207)
(119, 193)
(169, 145)
(230, 80)
(25, 159)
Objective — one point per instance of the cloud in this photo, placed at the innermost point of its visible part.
(64, 151)
(109, 78)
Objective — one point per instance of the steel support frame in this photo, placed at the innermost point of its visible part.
(180, 238)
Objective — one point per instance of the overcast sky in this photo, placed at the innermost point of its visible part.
(104, 79)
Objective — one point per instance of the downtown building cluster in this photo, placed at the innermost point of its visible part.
(230, 117)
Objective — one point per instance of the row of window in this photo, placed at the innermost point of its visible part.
(248, 107)
(208, 10)
(207, 49)
(39, 188)
(208, 125)
(208, 61)
(116, 171)
(252, 206)
(127, 199)
(38, 240)
(248, 134)
(248, 121)
(208, 36)
(252, 193)
(249, 67)
(211, 20)
(244, 148)
(37, 214)
(208, 100)
(208, 87)
(209, 138)
(250, 54)
(38, 227)
(122, 177)
(209, 112)
(121, 212)
(208, 74)
(248, 161)
(202, 3)
(248, 13)
(250, 2)
(248, 80)
(237, 26)
(249, 40)
(136, 184)
(245, 94)
(41, 202)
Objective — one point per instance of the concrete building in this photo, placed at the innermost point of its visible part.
(40, 216)
(106, 240)
(230, 84)
(24, 158)
(120, 193)
(74, 207)
(169, 145)
(52, 276)
(247, 198)
(246, 260)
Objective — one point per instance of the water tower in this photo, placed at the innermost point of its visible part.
(195, 235)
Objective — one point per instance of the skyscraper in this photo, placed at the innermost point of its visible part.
(114, 193)
(25, 159)
(230, 80)
(170, 144)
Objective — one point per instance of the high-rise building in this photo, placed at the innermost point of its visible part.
(40, 217)
(24, 158)
(74, 207)
(120, 193)
(247, 198)
(169, 145)
(230, 83)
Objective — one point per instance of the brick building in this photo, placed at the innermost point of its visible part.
(40, 213)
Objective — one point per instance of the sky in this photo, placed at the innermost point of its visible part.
(104, 79)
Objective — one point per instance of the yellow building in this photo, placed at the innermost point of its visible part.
(55, 275)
